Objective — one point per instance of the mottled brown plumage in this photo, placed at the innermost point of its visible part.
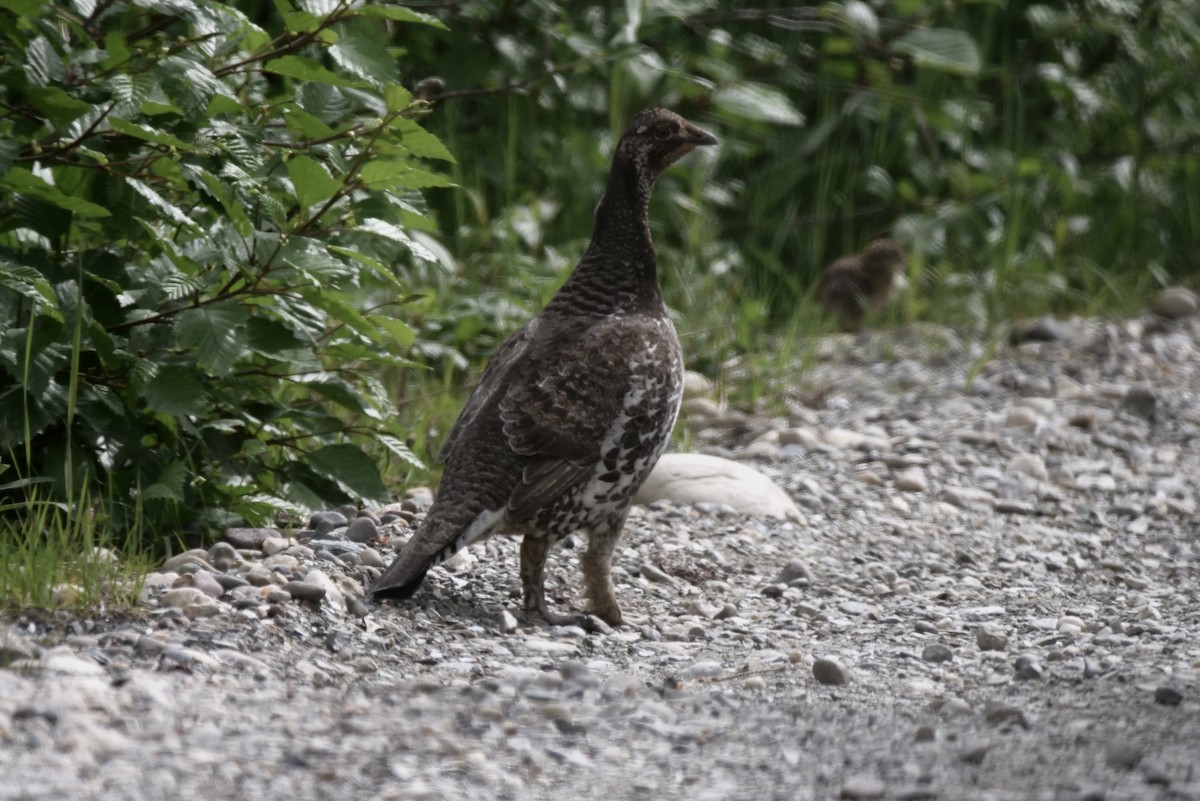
(854, 286)
(575, 408)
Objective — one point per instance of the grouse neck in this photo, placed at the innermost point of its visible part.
(617, 272)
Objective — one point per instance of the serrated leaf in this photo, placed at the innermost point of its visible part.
(341, 311)
(28, 282)
(401, 450)
(175, 391)
(401, 333)
(311, 257)
(400, 14)
(305, 124)
(58, 106)
(420, 142)
(338, 391)
(943, 49)
(169, 485)
(148, 134)
(189, 83)
(43, 66)
(302, 69)
(364, 58)
(216, 332)
(392, 174)
(757, 101)
(157, 200)
(351, 469)
(19, 179)
(396, 97)
(311, 181)
(274, 340)
(395, 233)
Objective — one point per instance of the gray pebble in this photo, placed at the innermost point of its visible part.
(827, 671)
(937, 652)
(249, 538)
(324, 522)
(1167, 696)
(991, 637)
(304, 591)
(655, 574)
(1123, 755)
(362, 529)
(863, 787)
(794, 569)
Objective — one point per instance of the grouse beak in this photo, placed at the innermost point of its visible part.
(698, 136)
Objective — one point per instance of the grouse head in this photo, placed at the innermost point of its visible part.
(656, 139)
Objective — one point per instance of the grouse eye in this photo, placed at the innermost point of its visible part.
(662, 133)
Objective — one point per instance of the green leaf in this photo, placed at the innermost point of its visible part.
(148, 134)
(216, 332)
(401, 333)
(396, 97)
(58, 106)
(302, 69)
(401, 450)
(353, 471)
(759, 102)
(395, 233)
(42, 63)
(338, 391)
(311, 181)
(305, 124)
(21, 180)
(364, 58)
(942, 49)
(391, 174)
(169, 486)
(175, 391)
(157, 201)
(420, 142)
(400, 14)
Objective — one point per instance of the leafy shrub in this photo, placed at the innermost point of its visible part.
(207, 230)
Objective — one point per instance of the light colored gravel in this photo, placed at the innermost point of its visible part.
(993, 594)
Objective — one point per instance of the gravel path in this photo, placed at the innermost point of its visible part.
(994, 594)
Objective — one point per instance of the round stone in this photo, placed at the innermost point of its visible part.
(991, 637)
(827, 671)
(1175, 302)
(937, 652)
(912, 480)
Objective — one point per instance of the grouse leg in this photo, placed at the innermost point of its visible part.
(533, 582)
(596, 564)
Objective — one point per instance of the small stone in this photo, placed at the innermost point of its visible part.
(370, 557)
(362, 529)
(196, 556)
(991, 637)
(803, 437)
(250, 539)
(1022, 417)
(936, 652)
(1029, 464)
(654, 573)
(1141, 401)
(827, 671)
(1027, 668)
(1043, 329)
(912, 480)
(508, 622)
(925, 734)
(324, 522)
(974, 752)
(275, 545)
(863, 787)
(184, 596)
(304, 591)
(1123, 755)
(1167, 696)
(998, 713)
(208, 584)
(1175, 302)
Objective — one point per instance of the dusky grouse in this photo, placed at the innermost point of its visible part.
(575, 408)
(854, 286)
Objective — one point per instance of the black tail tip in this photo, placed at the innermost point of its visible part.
(398, 592)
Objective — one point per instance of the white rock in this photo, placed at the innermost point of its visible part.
(688, 478)
(64, 660)
(843, 438)
(695, 384)
(1022, 417)
(706, 408)
(1029, 464)
(1175, 302)
(912, 480)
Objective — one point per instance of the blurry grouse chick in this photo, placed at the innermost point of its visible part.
(576, 407)
(854, 286)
